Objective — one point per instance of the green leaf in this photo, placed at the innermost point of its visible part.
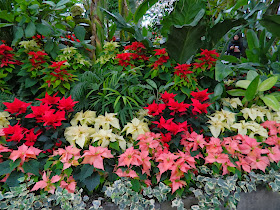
(219, 89)
(49, 46)
(252, 75)
(86, 171)
(243, 83)
(30, 30)
(152, 83)
(18, 35)
(30, 82)
(43, 29)
(271, 23)
(268, 83)
(184, 42)
(31, 166)
(66, 85)
(222, 71)
(12, 180)
(92, 182)
(136, 186)
(5, 167)
(62, 2)
(114, 145)
(7, 15)
(271, 102)
(185, 12)
(236, 92)
(252, 89)
(80, 32)
(5, 25)
(252, 39)
(142, 9)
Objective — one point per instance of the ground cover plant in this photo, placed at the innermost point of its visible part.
(86, 120)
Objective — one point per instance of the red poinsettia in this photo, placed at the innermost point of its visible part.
(37, 58)
(52, 118)
(31, 137)
(17, 107)
(182, 70)
(155, 109)
(14, 133)
(165, 97)
(124, 58)
(160, 51)
(177, 107)
(6, 55)
(135, 46)
(66, 104)
(199, 107)
(50, 100)
(201, 95)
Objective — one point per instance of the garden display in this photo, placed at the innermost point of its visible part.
(96, 107)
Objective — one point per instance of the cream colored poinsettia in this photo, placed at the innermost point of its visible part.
(229, 82)
(136, 127)
(221, 120)
(250, 127)
(4, 122)
(142, 113)
(30, 45)
(104, 137)
(253, 113)
(79, 134)
(84, 118)
(106, 121)
(234, 102)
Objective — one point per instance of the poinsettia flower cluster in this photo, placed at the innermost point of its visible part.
(162, 57)
(165, 113)
(7, 56)
(48, 115)
(207, 59)
(133, 53)
(37, 58)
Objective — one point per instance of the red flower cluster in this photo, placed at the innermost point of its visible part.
(6, 56)
(162, 59)
(138, 47)
(59, 73)
(17, 107)
(182, 70)
(208, 58)
(37, 58)
(38, 36)
(72, 37)
(124, 59)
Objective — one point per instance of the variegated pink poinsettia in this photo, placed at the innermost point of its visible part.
(69, 185)
(69, 156)
(95, 155)
(24, 153)
(47, 184)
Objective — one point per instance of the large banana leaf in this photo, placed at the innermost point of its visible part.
(184, 13)
(272, 24)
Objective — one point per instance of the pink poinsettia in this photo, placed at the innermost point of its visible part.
(127, 173)
(69, 156)
(130, 157)
(69, 185)
(24, 153)
(47, 184)
(95, 155)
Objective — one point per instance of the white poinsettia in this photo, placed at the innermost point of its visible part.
(253, 113)
(251, 127)
(136, 127)
(104, 137)
(84, 118)
(79, 134)
(4, 122)
(106, 121)
(234, 102)
(142, 113)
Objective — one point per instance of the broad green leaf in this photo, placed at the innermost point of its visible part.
(271, 102)
(222, 71)
(80, 32)
(268, 83)
(49, 46)
(136, 186)
(252, 75)
(62, 2)
(12, 180)
(142, 9)
(43, 29)
(272, 24)
(92, 182)
(230, 58)
(252, 39)
(243, 83)
(18, 35)
(30, 30)
(219, 89)
(30, 82)
(252, 89)
(152, 83)
(236, 92)
(184, 13)
(184, 42)
(31, 166)
(6, 16)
